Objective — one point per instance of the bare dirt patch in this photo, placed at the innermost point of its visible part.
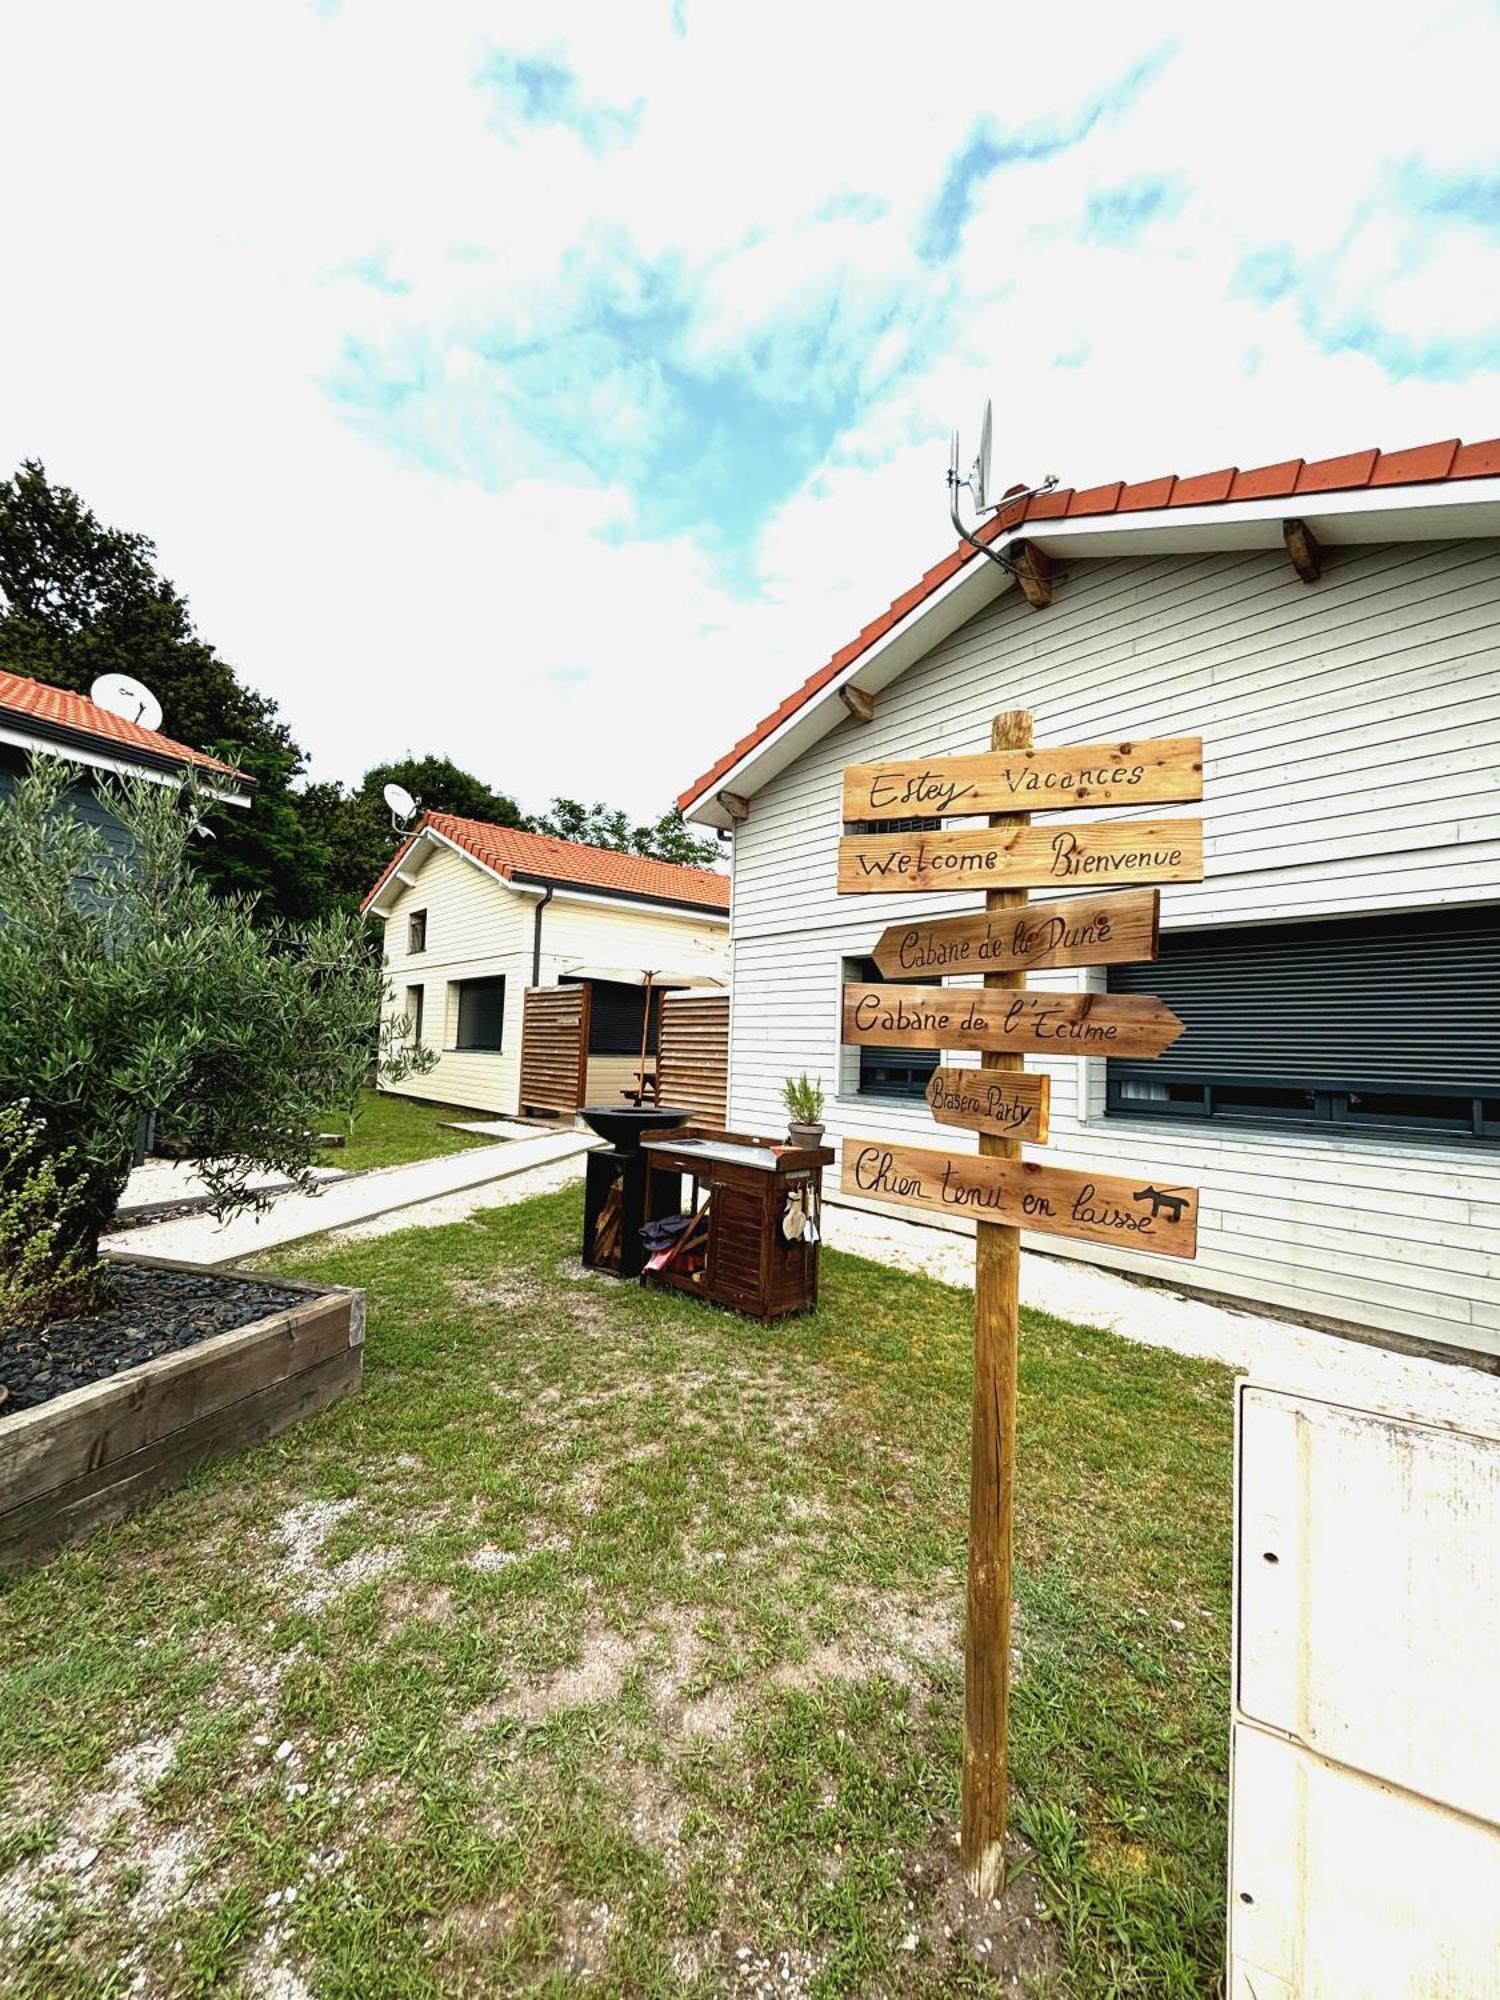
(604, 1659)
(1010, 1936)
(303, 1569)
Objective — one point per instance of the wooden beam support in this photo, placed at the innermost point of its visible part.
(737, 806)
(1033, 573)
(859, 702)
(1302, 547)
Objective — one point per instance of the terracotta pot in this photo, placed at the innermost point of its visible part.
(810, 1136)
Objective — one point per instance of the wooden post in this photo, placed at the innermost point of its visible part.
(997, 1269)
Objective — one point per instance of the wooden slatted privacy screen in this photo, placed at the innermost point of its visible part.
(554, 1039)
(692, 1066)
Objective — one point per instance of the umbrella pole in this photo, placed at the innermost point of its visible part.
(640, 1082)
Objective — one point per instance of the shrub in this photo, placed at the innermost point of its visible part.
(39, 1193)
(803, 1100)
(128, 986)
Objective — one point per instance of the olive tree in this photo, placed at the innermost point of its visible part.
(128, 986)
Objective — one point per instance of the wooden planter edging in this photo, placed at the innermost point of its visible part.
(95, 1454)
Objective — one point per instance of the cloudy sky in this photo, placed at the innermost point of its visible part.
(556, 386)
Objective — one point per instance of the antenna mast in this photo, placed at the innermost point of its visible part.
(978, 483)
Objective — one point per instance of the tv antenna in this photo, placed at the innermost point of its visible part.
(128, 698)
(978, 485)
(403, 807)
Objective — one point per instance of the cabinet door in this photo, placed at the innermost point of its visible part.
(1369, 1618)
(735, 1249)
(1342, 1888)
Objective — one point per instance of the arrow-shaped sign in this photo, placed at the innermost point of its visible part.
(1117, 929)
(1100, 1208)
(1042, 1024)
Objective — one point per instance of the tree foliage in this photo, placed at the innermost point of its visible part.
(128, 985)
(354, 826)
(79, 599)
(599, 825)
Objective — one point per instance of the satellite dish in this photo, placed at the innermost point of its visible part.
(403, 806)
(128, 698)
(979, 477)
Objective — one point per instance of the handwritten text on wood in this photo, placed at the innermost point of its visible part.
(1008, 1103)
(1042, 1024)
(1115, 929)
(1100, 1208)
(1168, 772)
(1024, 857)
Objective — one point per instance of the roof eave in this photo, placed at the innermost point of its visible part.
(1459, 509)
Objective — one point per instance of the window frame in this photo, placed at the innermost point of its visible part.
(488, 982)
(416, 929)
(414, 1013)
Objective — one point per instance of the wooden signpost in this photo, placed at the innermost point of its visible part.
(1047, 1024)
(1012, 1107)
(1007, 781)
(1022, 857)
(1000, 1190)
(1116, 928)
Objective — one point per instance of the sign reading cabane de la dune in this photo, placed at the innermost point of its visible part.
(1084, 857)
(1169, 772)
(1043, 1024)
(1101, 1208)
(1115, 929)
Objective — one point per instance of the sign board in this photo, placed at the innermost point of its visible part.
(1116, 929)
(1042, 1024)
(1099, 1208)
(1089, 856)
(1168, 772)
(1005, 1102)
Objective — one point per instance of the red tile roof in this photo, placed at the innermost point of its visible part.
(511, 852)
(1421, 464)
(37, 702)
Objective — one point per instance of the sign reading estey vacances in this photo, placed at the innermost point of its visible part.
(1022, 857)
(1099, 1208)
(1165, 772)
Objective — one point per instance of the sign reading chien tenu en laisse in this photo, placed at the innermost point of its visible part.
(1105, 915)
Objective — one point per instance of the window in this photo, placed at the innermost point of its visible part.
(617, 1015)
(416, 931)
(1384, 1024)
(889, 1072)
(481, 1014)
(414, 1011)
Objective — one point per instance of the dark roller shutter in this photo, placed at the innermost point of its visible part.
(1357, 1019)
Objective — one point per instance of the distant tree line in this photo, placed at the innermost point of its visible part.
(79, 599)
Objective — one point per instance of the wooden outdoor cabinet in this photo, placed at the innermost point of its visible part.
(739, 1187)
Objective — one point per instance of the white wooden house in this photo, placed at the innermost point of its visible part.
(1332, 630)
(511, 950)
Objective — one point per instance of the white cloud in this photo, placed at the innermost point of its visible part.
(190, 268)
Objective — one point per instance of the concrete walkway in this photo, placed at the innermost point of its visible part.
(350, 1199)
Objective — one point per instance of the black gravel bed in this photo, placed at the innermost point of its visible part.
(151, 1313)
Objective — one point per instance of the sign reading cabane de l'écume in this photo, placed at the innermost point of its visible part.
(1023, 857)
(1169, 772)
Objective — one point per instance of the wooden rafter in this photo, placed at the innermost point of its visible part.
(1033, 572)
(859, 702)
(1302, 546)
(736, 805)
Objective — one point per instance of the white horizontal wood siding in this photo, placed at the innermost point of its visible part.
(476, 929)
(1352, 740)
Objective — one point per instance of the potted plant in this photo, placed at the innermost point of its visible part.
(804, 1110)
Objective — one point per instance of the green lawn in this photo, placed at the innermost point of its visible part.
(389, 1131)
(608, 1643)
